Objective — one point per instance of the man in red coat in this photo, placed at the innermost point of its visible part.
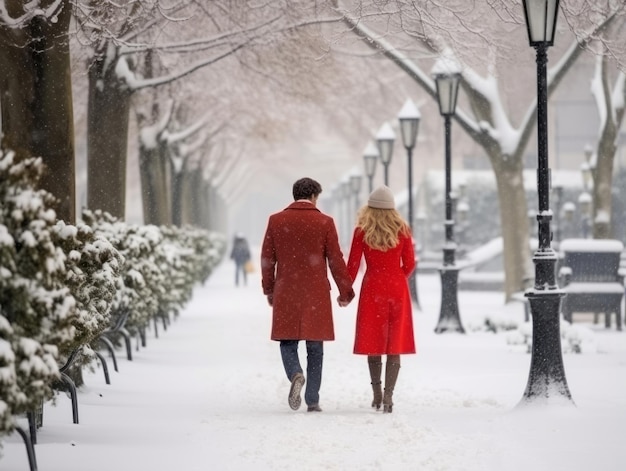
(300, 245)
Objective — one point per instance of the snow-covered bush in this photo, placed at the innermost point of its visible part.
(8, 380)
(26, 370)
(93, 269)
(57, 282)
(33, 293)
(162, 265)
(187, 256)
(142, 280)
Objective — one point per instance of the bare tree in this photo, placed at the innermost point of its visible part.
(610, 103)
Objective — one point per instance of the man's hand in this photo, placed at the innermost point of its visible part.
(342, 302)
(270, 299)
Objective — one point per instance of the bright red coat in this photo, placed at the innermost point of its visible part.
(299, 247)
(384, 324)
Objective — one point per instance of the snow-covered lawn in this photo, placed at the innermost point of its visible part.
(210, 394)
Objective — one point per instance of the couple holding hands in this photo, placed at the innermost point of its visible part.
(299, 247)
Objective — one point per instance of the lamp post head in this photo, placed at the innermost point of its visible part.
(463, 211)
(355, 183)
(585, 169)
(370, 157)
(541, 18)
(447, 91)
(384, 140)
(409, 118)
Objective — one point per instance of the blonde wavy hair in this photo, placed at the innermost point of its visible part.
(381, 227)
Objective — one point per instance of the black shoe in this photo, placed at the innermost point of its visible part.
(294, 398)
(314, 408)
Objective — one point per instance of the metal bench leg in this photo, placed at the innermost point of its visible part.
(32, 426)
(109, 346)
(67, 380)
(30, 449)
(142, 336)
(129, 348)
(105, 367)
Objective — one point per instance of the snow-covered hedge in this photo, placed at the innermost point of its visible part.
(162, 265)
(56, 285)
(61, 285)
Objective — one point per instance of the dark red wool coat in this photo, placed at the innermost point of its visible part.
(384, 324)
(300, 245)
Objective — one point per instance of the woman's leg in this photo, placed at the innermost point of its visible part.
(375, 364)
(392, 368)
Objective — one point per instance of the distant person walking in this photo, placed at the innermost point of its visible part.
(240, 254)
(384, 324)
(299, 247)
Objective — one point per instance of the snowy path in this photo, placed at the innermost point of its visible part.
(210, 394)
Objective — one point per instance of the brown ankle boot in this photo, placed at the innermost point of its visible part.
(392, 368)
(376, 367)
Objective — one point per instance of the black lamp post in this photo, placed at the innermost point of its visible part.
(409, 118)
(447, 83)
(355, 187)
(384, 140)
(546, 379)
(370, 157)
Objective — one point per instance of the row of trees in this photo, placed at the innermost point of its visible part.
(62, 285)
(132, 55)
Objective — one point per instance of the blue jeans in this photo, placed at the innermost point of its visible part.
(314, 358)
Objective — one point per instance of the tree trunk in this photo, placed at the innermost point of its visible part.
(198, 196)
(153, 168)
(188, 196)
(603, 178)
(177, 195)
(603, 171)
(514, 223)
(107, 140)
(36, 102)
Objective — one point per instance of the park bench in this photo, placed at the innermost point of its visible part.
(592, 279)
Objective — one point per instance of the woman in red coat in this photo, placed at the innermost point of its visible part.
(384, 324)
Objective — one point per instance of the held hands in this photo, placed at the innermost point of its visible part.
(342, 302)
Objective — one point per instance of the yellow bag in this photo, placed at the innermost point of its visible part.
(249, 267)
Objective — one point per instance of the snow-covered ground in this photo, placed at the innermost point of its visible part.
(210, 394)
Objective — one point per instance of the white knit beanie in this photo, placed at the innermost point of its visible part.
(381, 198)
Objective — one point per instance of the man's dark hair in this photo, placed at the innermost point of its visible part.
(305, 188)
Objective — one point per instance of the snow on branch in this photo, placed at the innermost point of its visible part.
(31, 10)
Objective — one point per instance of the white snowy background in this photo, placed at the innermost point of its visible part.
(210, 394)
